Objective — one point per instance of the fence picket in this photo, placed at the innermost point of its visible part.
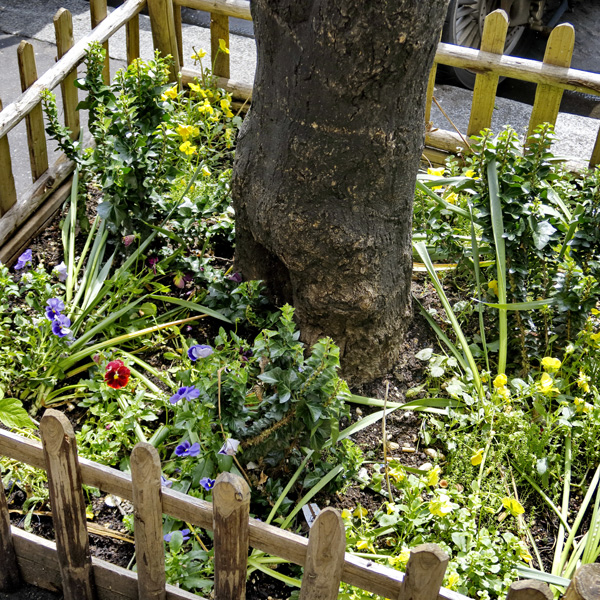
(99, 12)
(219, 30)
(36, 137)
(63, 29)
(559, 52)
(424, 573)
(324, 557)
(162, 22)
(8, 193)
(231, 507)
(9, 569)
(486, 84)
(178, 31)
(147, 501)
(132, 38)
(68, 506)
(529, 589)
(585, 584)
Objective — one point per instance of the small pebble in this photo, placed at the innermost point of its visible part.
(431, 453)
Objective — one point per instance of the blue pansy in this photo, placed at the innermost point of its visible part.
(184, 532)
(24, 260)
(207, 483)
(187, 449)
(54, 307)
(199, 351)
(184, 393)
(60, 326)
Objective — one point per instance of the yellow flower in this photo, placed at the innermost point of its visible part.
(513, 506)
(441, 506)
(477, 458)
(582, 406)
(523, 553)
(451, 198)
(197, 89)
(439, 172)
(433, 477)
(546, 385)
(595, 311)
(223, 47)
(500, 381)
(595, 337)
(199, 55)
(228, 113)
(397, 474)
(346, 514)
(365, 545)
(361, 512)
(205, 171)
(453, 580)
(187, 148)
(170, 93)
(186, 131)
(551, 364)
(471, 173)
(583, 382)
(504, 393)
(493, 286)
(215, 118)
(205, 108)
(401, 559)
(390, 508)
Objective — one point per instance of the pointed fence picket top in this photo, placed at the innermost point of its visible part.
(529, 589)
(585, 584)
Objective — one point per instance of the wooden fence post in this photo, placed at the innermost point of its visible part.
(178, 31)
(324, 557)
(68, 506)
(63, 29)
(219, 30)
(162, 21)
(8, 193)
(424, 573)
(36, 137)
(585, 584)
(486, 84)
(147, 502)
(559, 52)
(9, 569)
(529, 589)
(231, 507)
(132, 37)
(98, 12)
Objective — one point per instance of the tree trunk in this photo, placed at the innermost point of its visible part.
(326, 165)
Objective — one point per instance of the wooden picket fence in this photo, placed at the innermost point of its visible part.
(67, 566)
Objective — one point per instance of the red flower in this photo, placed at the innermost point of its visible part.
(117, 374)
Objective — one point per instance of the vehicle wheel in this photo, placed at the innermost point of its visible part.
(464, 27)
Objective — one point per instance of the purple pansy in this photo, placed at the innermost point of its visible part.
(24, 260)
(165, 482)
(199, 351)
(207, 483)
(237, 277)
(187, 449)
(229, 448)
(61, 271)
(60, 326)
(54, 307)
(184, 393)
(184, 532)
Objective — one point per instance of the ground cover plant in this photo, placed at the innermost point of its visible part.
(143, 331)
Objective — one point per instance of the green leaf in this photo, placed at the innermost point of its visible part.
(13, 415)
(192, 306)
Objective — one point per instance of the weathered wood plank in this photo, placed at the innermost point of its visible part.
(36, 136)
(149, 544)
(443, 139)
(219, 30)
(38, 562)
(585, 584)
(68, 506)
(528, 589)
(424, 573)
(99, 12)
(324, 557)
(132, 38)
(430, 90)
(8, 192)
(63, 29)
(164, 38)
(486, 84)
(178, 31)
(9, 569)
(559, 52)
(231, 507)
(233, 8)
(25, 103)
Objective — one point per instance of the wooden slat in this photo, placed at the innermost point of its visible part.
(132, 37)
(38, 562)
(324, 557)
(178, 31)
(99, 12)
(36, 136)
(68, 506)
(164, 38)
(8, 192)
(528, 589)
(149, 544)
(559, 52)
(424, 572)
(233, 8)
(430, 90)
(486, 84)
(9, 569)
(219, 30)
(25, 103)
(443, 139)
(231, 507)
(63, 29)
(585, 584)
(595, 158)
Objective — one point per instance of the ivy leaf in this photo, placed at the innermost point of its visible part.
(542, 232)
(13, 415)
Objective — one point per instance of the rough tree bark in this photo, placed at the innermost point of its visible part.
(326, 165)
